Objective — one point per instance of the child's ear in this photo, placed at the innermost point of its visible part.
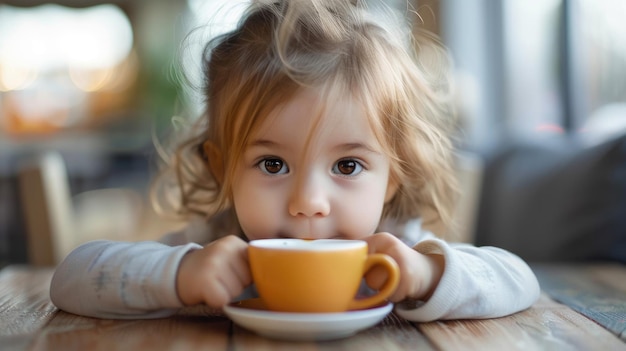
(392, 188)
(214, 160)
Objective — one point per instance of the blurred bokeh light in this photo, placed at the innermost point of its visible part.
(55, 60)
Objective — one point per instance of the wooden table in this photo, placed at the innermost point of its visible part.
(596, 321)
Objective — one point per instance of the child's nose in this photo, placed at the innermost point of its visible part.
(309, 197)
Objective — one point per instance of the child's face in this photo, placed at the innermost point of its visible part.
(334, 187)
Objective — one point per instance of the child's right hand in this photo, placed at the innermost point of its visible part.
(215, 274)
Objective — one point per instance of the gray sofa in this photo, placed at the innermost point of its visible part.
(555, 201)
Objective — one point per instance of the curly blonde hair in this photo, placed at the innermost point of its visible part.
(282, 46)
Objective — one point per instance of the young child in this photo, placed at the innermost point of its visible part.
(320, 123)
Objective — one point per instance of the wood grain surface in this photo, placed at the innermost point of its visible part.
(29, 321)
(597, 291)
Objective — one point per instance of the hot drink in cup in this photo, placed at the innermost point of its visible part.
(293, 275)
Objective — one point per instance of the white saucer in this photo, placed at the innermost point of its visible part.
(251, 315)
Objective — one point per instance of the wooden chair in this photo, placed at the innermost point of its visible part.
(47, 208)
(57, 222)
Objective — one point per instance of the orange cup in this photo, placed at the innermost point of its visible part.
(293, 275)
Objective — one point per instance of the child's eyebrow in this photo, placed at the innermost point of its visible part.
(357, 146)
(262, 143)
(343, 147)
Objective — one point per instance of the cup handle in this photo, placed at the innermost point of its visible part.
(390, 286)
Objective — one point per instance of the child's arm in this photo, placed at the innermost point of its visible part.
(108, 279)
(457, 281)
(478, 282)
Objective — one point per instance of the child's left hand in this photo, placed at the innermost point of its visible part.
(419, 273)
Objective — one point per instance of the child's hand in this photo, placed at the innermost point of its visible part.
(419, 273)
(215, 274)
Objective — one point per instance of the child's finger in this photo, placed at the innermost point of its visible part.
(376, 277)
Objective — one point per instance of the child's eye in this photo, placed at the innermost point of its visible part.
(347, 167)
(273, 166)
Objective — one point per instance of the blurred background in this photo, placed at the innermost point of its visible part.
(86, 86)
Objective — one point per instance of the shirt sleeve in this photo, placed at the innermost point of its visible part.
(119, 280)
(477, 282)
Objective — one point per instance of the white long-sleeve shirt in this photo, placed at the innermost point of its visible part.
(123, 280)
